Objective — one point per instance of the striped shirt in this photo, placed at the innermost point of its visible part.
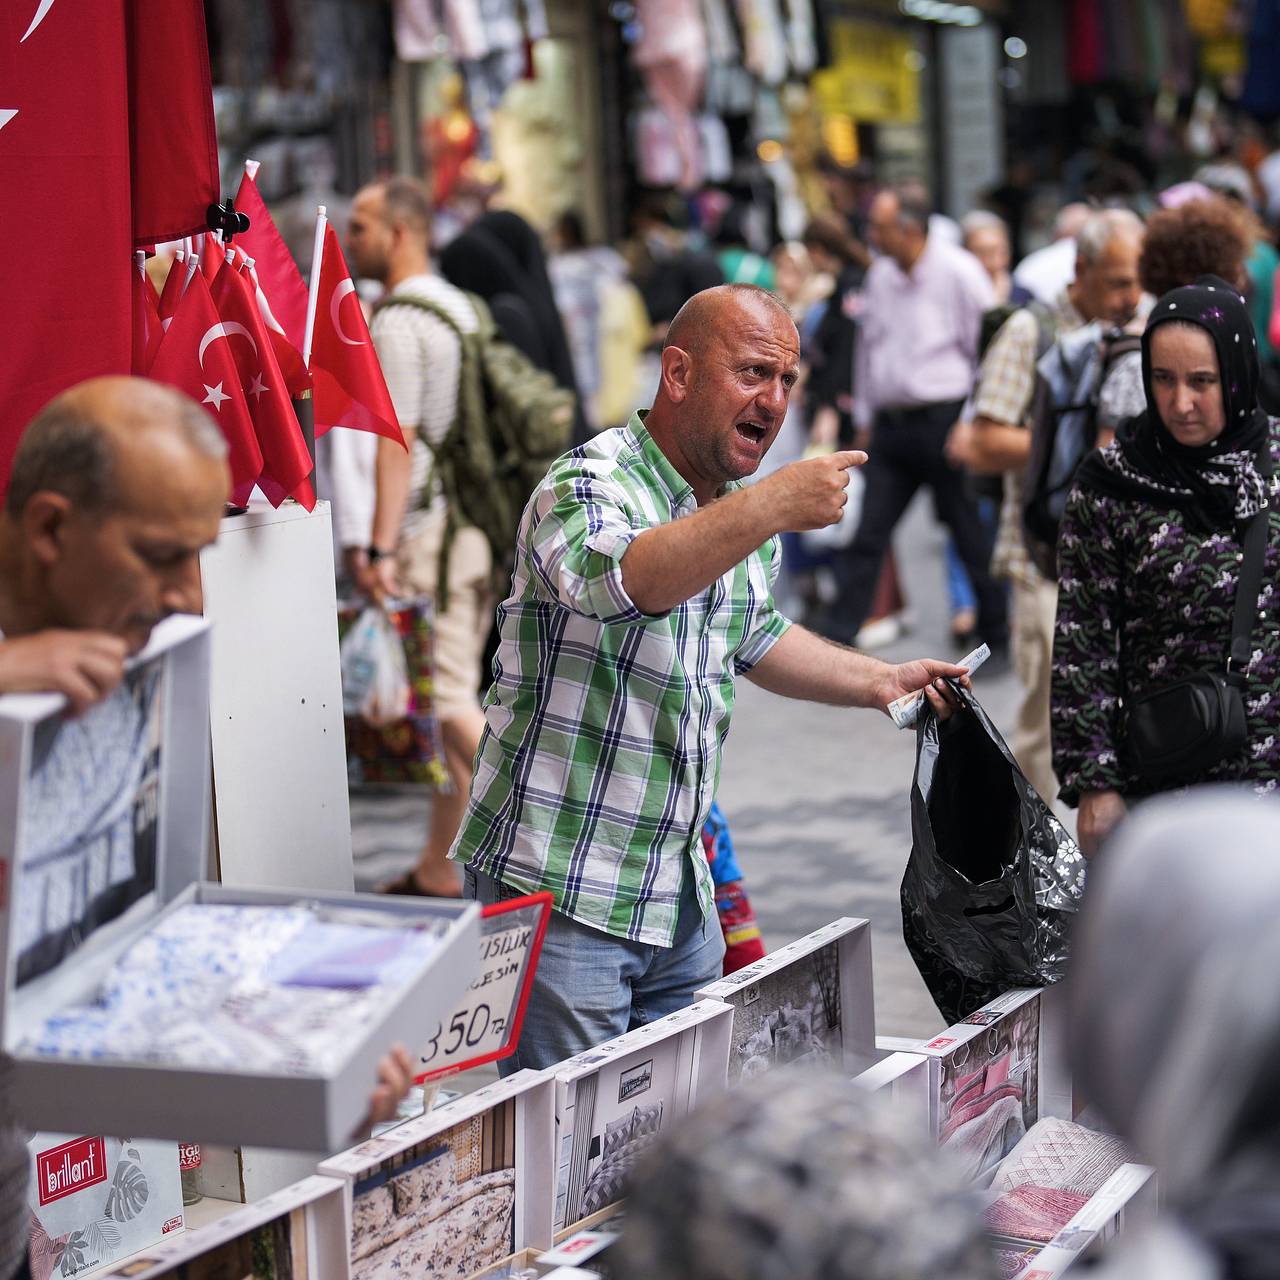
(601, 752)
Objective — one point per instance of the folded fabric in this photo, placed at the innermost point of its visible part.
(1033, 1213)
(1058, 1153)
(218, 987)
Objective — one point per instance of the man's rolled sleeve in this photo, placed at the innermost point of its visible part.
(580, 530)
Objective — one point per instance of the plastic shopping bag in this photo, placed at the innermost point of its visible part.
(993, 878)
(375, 677)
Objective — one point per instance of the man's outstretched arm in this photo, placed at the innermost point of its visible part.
(674, 562)
(805, 666)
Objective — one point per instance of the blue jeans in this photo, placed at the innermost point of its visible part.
(591, 986)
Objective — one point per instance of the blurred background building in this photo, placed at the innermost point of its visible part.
(786, 107)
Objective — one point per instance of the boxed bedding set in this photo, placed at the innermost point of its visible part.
(457, 1190)
(135, 994)
(810, 1002)
(94, 1201)
(612, 1101)
(298, 1233)
(1002, 1105)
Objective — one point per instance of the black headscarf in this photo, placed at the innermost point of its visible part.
(1216, 484)
(500, 257)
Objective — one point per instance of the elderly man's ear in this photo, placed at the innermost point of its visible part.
(44, 525)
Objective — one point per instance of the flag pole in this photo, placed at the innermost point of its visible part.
(305, 406)
(313, 292)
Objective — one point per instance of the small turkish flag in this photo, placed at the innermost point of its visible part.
(194, 357)
(296, 377)
(286, 464)
(171, 294)
(276, 272)
(350, 389)
(146, 321)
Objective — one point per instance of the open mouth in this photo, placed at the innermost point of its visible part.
(752, 432)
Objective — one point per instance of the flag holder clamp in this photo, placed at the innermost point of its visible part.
(226, 219)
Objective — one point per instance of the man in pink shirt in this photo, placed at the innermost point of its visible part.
(922, 305)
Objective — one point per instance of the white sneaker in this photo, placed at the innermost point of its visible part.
(878, 634)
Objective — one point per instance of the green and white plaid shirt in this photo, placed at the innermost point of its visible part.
(601, 753)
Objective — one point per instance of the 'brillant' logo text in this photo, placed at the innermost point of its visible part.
(70, 1168)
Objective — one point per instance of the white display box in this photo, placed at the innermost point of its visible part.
(904, 1078)
(297, 1233)
(139, 857)
(613, 1100)
(455, 1190)
(811, 1001)
(96, 1200)
(992, 1076)
(1127, 1199)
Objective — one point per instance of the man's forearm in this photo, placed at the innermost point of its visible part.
(996, 447)
(394, 475)
(805, 666)
(672, 563)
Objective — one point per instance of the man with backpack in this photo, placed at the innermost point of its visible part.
(1037, 386)
(442, 510)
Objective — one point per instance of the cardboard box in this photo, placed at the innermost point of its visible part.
(992, 1076)
(298, 1233)
(96, 1200)
(905, 1079)
(1127, 1198)
(613, 1100)
(810, 1001)
(468, 1183)
(138, 777)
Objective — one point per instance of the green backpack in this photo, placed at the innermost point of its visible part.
(513, 421)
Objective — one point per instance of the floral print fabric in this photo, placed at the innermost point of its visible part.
(1146, 598)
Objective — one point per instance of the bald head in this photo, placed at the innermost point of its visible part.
(117, 486)
(84, 443)
(706, 313)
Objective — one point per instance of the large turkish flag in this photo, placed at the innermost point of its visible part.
(72, 176)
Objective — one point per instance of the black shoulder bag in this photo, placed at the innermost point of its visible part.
(1186, 727)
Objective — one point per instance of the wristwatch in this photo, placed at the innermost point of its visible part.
(377, 553)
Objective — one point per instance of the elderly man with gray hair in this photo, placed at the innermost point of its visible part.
(997, 441)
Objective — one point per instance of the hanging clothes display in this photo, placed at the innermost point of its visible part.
(802, 48)
(419, 35)
(671, 55)
(764, 39)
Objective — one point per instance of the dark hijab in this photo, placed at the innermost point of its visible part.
(501, 258)
(1217, 484)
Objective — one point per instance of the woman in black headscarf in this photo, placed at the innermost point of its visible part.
(1149, 554)
(500, 258)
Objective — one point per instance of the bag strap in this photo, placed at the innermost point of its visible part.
(1250, 579)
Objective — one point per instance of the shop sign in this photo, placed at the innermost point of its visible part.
(873, 76)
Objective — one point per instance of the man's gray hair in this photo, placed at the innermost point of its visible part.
(982, 220)
(1102, 228)
(65, 448)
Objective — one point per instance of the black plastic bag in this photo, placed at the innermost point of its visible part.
(993, 878)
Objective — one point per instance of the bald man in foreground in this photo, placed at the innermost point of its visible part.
(643, 588)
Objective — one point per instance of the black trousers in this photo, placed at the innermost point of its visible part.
(906, 452)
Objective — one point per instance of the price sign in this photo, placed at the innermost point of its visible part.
(485, 1024)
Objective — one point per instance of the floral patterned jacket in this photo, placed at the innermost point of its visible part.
(1145, 599)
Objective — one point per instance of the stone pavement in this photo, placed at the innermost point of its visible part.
(817, 799)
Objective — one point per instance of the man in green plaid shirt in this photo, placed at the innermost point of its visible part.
(643, 588)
